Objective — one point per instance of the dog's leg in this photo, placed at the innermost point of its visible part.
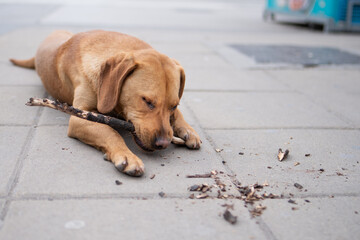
(183, 130)
(103, 138)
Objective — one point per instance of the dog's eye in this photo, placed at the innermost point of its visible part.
(148, 103)
(173, 108)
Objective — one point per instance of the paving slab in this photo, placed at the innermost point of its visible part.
(210, 60)
(11, 75)
(321, 218)
(57, 164)
(338, 159)
(13, 106)
(125, 218)
(12, 140)
(193, 16)
(180, 47)
(259, 110)
(337, 89)
(13, 16)
(230, 80)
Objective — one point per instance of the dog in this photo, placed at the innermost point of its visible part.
(114, 73)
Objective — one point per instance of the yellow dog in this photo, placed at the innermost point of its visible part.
(115, 73)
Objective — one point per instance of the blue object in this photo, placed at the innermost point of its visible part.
(335, 15)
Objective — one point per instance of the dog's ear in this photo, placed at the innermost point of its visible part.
(182, 78)
(112, 76)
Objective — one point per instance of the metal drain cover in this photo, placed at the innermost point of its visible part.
(307, 56)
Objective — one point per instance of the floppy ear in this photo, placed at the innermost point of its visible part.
(113, 74)
(182, 78)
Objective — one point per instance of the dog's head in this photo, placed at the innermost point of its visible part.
(145, 87)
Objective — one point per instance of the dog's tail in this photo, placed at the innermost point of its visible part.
(29, 63)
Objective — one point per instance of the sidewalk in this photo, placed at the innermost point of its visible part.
(55, 187)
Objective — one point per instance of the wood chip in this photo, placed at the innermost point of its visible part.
(202, 196)
(195, 188)
(257, 211)
(296, 163)
(152, 176)
(229, 217)
(282, 155)
(218, 150)
(205, 175)
(298, 186)
(265, 184)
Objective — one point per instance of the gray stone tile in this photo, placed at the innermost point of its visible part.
(337, 89)
(321, 218)
(14, 110)
(337, 152)
(24, 13)
(57, 164)
(14, 16)
(258, 110)
(12, 75)
(230, 79)
(177, 47)
(128, 218)
(21, 44)
(198, 60)
(192, 16)
(12, 141)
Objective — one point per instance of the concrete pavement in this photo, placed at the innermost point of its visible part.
(55, 187)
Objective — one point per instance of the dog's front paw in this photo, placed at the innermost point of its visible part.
(190, 136)
(129, 164)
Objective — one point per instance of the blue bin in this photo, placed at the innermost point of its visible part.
(334, 15)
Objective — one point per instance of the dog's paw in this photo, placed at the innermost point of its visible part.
(129, 164)
(190, 136)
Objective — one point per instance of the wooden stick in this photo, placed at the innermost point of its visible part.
(113, 122)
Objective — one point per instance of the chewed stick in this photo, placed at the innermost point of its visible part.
(113, 122)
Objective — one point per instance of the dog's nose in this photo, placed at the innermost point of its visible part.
(161, 143)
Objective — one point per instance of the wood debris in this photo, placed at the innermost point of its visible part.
(200, 188)
(152, 176)
(257, 211)
(282, 155)
(229, 217)
(298, 186)
(204, 175)
(296, 163)
(202, 196)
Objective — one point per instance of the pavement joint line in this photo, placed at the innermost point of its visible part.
(238, 91)
(286, 128)
(155, 196)
(15, 125)
(19, 163)
(146, 196)
(314, 101)
(21, 85)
